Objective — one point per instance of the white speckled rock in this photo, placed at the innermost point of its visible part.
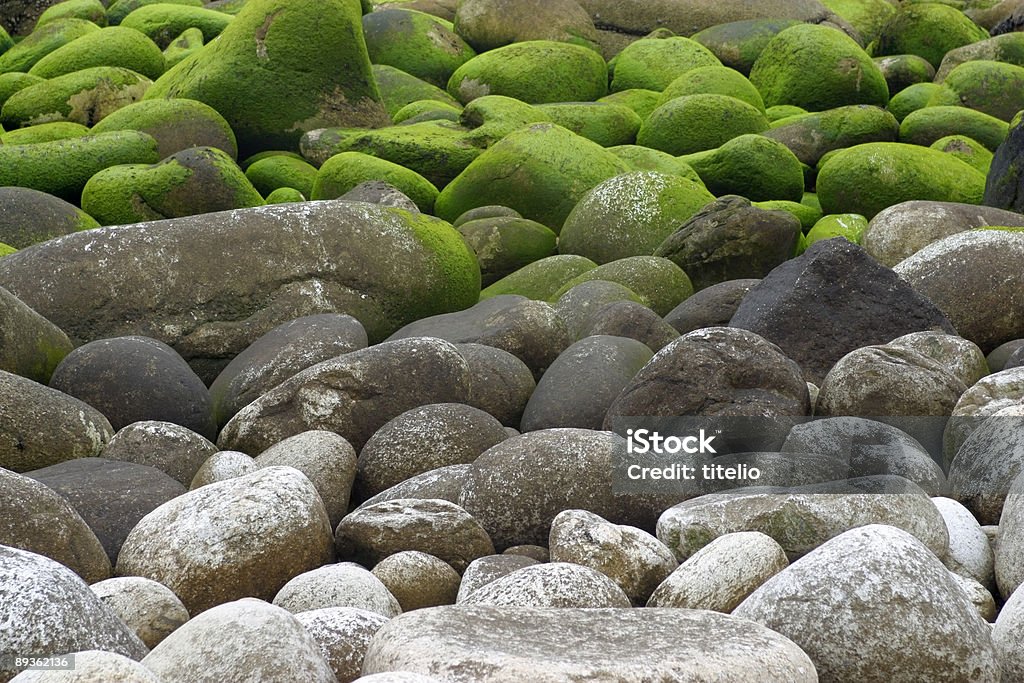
(327, 459)
(722, 574)
(1009, 556)
(444, 483)
(987, 463)
(630, 557)
(343, 634)
(418, 580)
(245, 537)
(45, 608)
(558, 584)
(960, 356)
(222, 466)
(1008, 637)
(984, 398)
(338, 585)
(479, 644)
(880, 593)
(93, 666)
(979, 596)
(245, 640)
(171, 448)
(482, 571)
(150, 609)
(970, 554)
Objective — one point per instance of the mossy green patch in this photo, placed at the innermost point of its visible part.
(111, 46)
(817, 68)
(285, 195)
(902, 71)
(505, 244)
(653, 63)
(427, 110)
(84, 97)
(738, 44)
(277, 171)
(6, 42)
(344, 171)
(928, 30)
(808, 214)
(457, 283)
(176, 124)
(541, 279)
(62, 167)
(752, 166)
(695, 123)
(868, 178)
(925, 126)
(967, 150)
(90, 10)
(783, 111)
(718, 80)
(419, 44)
(850, 226)
(119, 9)
(912, 98)
(811, 136)
(606, 124)
(994, 88)
(535, 72)
(397, 89)
(660, 283)
(1008, 47)
(41, 42)
(492, 117)
(647, 159)
(641, 101)
(44, 132)
(868, 17)
(163, 22)
(6, 250)
(190, 40)
(260, 156)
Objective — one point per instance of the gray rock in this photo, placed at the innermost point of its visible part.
(382, 193)
(484, 570)
(999, 356)
(337, 585)
(171, 448)
(633, 321)
(556, 584)
(418, 580)
(150, 609)
(987, 463)
(487, 24)
(343, 634)
(1008, 637)
(500, 383)
(1009, 550)
(29, 217)
(713, 306)
(984, 398)
(444, 483)
(30, 345)
(813, 136)
(580, 303)
(1002, 186)
(222, 466)
(970, 554)
(961, 357)
(979, 596)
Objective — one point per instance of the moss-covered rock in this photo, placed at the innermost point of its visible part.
(417, 43)
(427, 110)
(505, 244)
(641, 101)
(488, 24)
(62, 167)
(6, 250)
(541, 279)
(29, 217)
(967, 150)
(647, 159)
(535, 71)
(783, 111)
(817, 68)
(493, 211)
(994, 88)
(84, 97)
(868, 17)
(1008, 47)
(282, 68)
(163, 22)
(278, 171)
(868, 178)
(397, 89)
(111, 46)
(717, 80)
(119, 9)
(630, 215)
(850, 226)
(44, 132)
(6, 42)
(752, 166)
(176, 124)
(190, 40)
(285, 195)
(344, 171)
(738, 44)
(14, 81)
(812, 136)
(695, 123)
(24, 55)
(807, 213)
(901, 71)
(928, 30)
(541, 171)
(660, 283)
(90, 10)
(653, 63)
(912, 98)
(925, 126)
(492, 117)
(606, 124)
(190, 182)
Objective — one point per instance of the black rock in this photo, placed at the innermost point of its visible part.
(711, 307)
(500, 383)
(632, 320)
(1004, 186)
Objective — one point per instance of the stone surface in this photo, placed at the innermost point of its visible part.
(484, 570)
(986, 464)
(30, 345)
(500, 383)
(171, 448)
(418, 580)
(1009, 547)
(343, 634)
(713, 306)
(222, 466)
(345, 584)
(554, 584)
(93, 666)
(148, 608)
(970, 554)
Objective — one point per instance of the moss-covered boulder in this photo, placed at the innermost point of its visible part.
(282, 68)
(1008, 47)
(630, 215)
(111, 46)
(163, 22)
(344, 171)
(817, 67)
(29, 217)
(90, 10)
(717, 80)
(119, 9)
(994, 88)
(24, 55)
(606, 124)
(653, 63)
(492, 117)
(812, 136)
(806, 212)
(190, 182)
(535, 71)
(398, 88)
(647, 159)
(84, 97)
(504, 244)
(6, 42)
(868, 17)
(542, 279)
(44, 132)
(62, 167)
(541, 171)
(279, 171)
(190, 40)
(488, 24)
(967, 150)
(928, 30)
(417, 43)
(427, 110)
(285, 195)
(640, 100)
(850, 226)
(868, 178)
(695, 123)
(738, 44)
(14, 81)
(902, 71)
(176, 124)
(912, 98)
(925, 126)
(660, 283)
(752, 166)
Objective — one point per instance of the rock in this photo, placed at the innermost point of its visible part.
(489, 24)
(42, 426)
(343, 634)
(436, 527)
(979, 596)
(30, 345)
(578, 304)
(729, 240)
(444, 483)
(242, 638)
(722, 574)
(541, 280)
(281, 353)
(243, 537)
(655, 61)
(961, 357)
(423, 439)
(903, 71)
(752, 166)
(380, 192)
(506, 244)
(966, 149)
(163, 24)
(811, 136)
(345, 171)
(630, 320)
(222, 466)
(1006, 636)
(696, 123)
(999, 357)
(424, 46)
(131, 379)
(582, 644)
(861, 570)
(51, 610)
(295, 98)
(168, 447)
(534, 552)
(713, 79)
(93, 665)
(936, 121)
(279, 172)
(557, 584)
(657, 282)
(337, 585)
(712, 306)
(970, 555)
(929, 32)
(148, 608)
(29, 217)
(418, 580)
(987, 463)
(110, 46)
(738, 44)
(500, 383)
(833, 283)
(175, 124)
(1002, 186)
(985, 397)
(84, 97)
(484, 570)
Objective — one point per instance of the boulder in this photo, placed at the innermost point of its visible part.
(168, 447)
(500, 383)
(345, 584)
(418, 580)
(29, 217)
(149, 608)
(30, 345)
(553, 584)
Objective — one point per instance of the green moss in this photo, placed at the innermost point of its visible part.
(868, 178)
(535, 72)
(541, 279)
(285, 195)
(1007, 47)
(695, 123)
(260, 156)
(120, 9)
(850, 226)
(660, 283)
(6, 42)
(606, 124)
(751, 166)
(817, 67)
(344, 171)
(163, 22)
(868, 17)
(83, 97)
(647, 159)
(653, 63)
(967, 150)
(902, 71)
(176, 124)
(492, 117)
(783, 111)
(925, 126)
(912, 98)
(44, 132)
(810, 136)
(190, 40)
(506, 243)
(41, 42)
(641, 101)
(928, 30)
(419, 44)
(718, 80)
(62, 167)
(738, 44)
(427, 110)
(6, 249)
(278, 171)
(808, 214)
(112, 46)
(89, 10)
(994, 88)
(458, 287)
(398, 89)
